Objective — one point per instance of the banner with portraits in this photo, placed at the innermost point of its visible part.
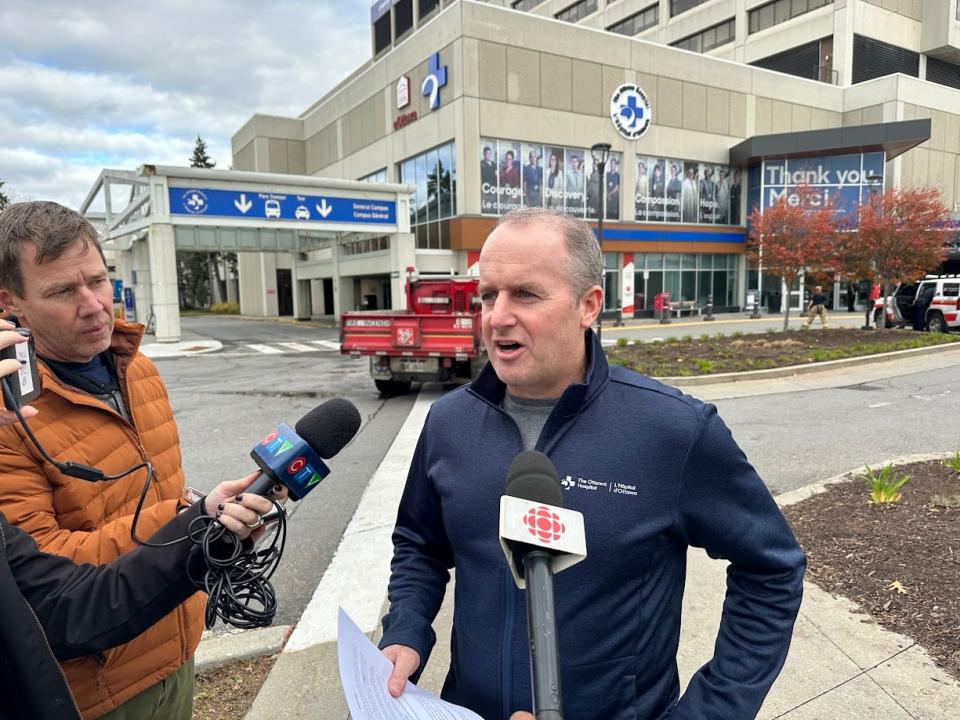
(669, 190)
(514, 175)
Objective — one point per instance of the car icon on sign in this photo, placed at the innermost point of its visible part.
(302, 213)
(271, 208)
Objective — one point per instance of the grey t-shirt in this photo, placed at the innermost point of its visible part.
(530, 416)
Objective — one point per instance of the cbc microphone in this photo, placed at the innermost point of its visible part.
(294, 458)
(539, 538)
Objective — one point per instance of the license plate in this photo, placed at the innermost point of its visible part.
(414, 365)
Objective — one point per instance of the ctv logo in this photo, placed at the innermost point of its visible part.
(276, 444)
(301, 471)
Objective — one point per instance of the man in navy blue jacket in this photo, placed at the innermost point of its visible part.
(653, 472)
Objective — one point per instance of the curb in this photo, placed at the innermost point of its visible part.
(802, 493)
(691, 380)
(236, 645)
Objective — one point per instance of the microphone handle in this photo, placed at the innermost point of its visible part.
(263, 485)
(542, 630)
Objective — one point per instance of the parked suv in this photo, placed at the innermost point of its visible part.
(941, 315)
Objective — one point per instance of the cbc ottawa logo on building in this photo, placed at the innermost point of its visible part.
(630, 111)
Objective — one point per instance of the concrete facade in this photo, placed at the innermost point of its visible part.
(527, 78)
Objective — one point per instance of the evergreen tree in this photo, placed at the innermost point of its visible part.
(4, 200)
(195, 268)
(200, 159)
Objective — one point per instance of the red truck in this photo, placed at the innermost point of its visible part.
(437, 338)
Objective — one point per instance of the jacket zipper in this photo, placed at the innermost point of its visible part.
(43, 634)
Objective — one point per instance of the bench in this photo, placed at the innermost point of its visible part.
(685, 306)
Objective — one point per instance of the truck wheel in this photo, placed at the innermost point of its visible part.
(389, 388)
(935, 323)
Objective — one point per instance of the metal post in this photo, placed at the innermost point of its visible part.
(709, 315)
(756, 307)
(600, 152)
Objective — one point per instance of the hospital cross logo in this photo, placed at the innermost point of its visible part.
(436, 79)
(630, 111)
(195, 202)
(544, 524)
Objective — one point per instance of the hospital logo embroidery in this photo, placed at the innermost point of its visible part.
(544, 524)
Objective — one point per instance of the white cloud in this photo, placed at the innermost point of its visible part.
(122, 84)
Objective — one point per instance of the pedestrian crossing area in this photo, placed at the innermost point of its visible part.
(280, 347)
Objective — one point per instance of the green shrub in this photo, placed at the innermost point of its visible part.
(706, 366)
(672, 339)
(687, 338)
(622, 342)
(227, 308)
(954, 462)
(885, 484)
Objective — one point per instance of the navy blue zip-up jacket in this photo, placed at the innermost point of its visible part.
(653, 471)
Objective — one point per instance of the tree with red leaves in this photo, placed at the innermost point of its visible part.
(899, 237)
(793, 235)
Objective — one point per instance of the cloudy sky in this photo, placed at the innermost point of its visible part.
(88, 84)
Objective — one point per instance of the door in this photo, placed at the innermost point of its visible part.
(284, 292)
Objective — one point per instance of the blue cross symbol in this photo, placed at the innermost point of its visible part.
(631, 112)
(436, 79)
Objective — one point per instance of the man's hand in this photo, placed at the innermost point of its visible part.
(405, 661)
(522, 716)
(238, 512)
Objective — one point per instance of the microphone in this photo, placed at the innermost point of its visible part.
(539, 538)
(294, 457)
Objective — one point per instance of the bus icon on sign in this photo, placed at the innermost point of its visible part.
(271, 208)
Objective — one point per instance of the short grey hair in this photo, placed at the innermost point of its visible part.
(49, 226)
(583, 249)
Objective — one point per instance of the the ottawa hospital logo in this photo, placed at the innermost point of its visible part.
(630, 111)
(601, 486)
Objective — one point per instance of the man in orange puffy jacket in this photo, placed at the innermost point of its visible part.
(102, 404)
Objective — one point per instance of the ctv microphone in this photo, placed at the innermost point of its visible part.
(539, 538)
(294, 458)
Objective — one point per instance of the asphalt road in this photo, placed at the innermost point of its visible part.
(226, 402)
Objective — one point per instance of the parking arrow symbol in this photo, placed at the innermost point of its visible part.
(323, 208)
(243, 204)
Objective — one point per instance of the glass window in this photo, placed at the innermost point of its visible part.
(433, 178)
(402, 17)
(525, 4)
(637, 22)
(710, 38)
(427, 6)
(679, 6)
(577, 11)
(779, 11)
(671, 261)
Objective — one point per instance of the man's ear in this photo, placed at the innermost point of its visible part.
(9, 302)
(592, 302)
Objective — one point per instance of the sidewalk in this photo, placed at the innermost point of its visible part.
(841, 664)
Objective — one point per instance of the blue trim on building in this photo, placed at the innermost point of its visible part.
(675, 236)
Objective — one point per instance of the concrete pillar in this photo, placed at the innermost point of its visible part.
(301, 292)
(403, 253)
(163, 283)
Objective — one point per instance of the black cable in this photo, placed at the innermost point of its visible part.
(237, 575)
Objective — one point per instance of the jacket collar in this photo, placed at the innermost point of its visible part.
(126, 340)
(489, 387)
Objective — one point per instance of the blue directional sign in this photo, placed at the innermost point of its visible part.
(279, 206)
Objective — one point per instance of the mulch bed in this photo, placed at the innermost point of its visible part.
(859, 550)
(711, 354)
(228, 691)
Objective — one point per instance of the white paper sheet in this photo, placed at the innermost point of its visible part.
(364, 672)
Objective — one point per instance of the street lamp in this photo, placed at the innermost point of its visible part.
(600, 152)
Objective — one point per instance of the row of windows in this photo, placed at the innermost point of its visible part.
(712, 37)
(433, 175)
(577, 11)
(638, 22)
(366, 245)
(525, 4)
(380, 176)
(780, 11)
(680, 6)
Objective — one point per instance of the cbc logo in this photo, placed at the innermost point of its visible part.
(630, 111)
(544, 524)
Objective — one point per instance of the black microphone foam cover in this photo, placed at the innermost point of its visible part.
(329, 427)
(533, 477)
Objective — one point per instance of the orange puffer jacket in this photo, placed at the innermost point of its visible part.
(90, 521)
